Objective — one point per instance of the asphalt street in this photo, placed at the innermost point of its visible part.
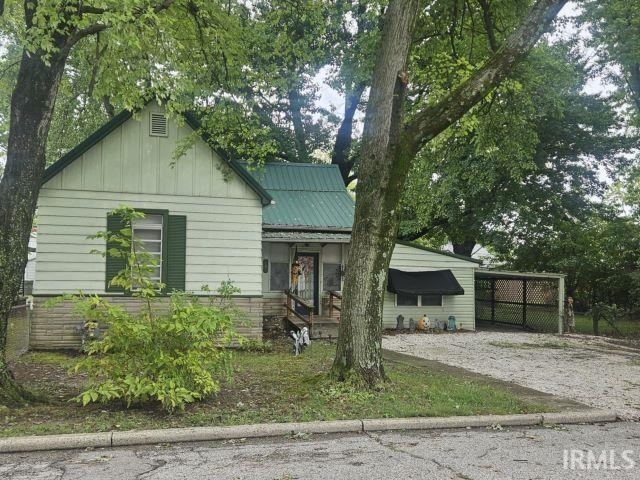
(560, 452)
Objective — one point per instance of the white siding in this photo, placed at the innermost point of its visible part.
(462, 306)
(129, 167)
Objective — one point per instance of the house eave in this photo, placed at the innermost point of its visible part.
(304, 228)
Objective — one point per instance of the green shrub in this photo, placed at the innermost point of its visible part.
(256, 346)
(172, 357)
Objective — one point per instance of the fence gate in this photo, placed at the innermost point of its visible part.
(528, 301)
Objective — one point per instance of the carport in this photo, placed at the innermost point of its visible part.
(530, 301)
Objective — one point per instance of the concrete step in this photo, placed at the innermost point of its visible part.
(323, 328)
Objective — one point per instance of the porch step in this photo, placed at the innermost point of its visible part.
(323, 328)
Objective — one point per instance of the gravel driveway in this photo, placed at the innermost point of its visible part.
(589, 370)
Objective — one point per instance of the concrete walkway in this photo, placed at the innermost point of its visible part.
(511, 453)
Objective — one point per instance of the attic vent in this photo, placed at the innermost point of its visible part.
(158, 125)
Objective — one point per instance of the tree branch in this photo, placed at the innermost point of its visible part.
(633, 82)
(433, 119)
(100, 26)
(342, 145)
(487, 18)
(90, 9)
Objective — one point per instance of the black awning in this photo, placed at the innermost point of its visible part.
(434, 282)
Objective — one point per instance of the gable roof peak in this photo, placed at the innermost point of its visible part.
(118, 120)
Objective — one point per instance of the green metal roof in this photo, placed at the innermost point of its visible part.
(307, 197)
(299, 177)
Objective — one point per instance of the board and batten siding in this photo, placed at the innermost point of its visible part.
(462, 306)
(130, 167)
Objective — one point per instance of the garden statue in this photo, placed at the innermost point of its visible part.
(296, 269)
(569, 316)
(300, 340)
(400, 323)
(451, 325)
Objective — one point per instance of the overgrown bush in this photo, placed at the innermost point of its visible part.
(173, 357)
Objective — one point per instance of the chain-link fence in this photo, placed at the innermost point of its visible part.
(608, 321)
(530, 303)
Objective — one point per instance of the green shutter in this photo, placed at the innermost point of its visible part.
(114, 264)
(176, 252)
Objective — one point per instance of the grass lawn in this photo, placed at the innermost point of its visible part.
(627, 328)
(266, 387)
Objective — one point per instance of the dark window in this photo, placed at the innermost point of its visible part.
(331, 276)
(279, 276)
(403, 300)
(431, 300)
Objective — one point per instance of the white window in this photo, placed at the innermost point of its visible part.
(403, 300)
(147, 234)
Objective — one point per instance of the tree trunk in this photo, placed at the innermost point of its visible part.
(388, 148)
(464, 248)
(300, 137)
(32, 104)
(340, 154)
(380, 182)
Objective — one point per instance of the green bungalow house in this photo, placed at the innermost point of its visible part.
(211, 219)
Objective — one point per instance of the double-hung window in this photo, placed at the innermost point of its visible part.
(147, 234)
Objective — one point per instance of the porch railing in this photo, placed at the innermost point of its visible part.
(332, 306)
(293, 301)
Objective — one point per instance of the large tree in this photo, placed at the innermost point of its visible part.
(534, 151)
(145, 47)
(391, 140)
(615, 29)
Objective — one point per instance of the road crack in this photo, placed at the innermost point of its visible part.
(396, 449)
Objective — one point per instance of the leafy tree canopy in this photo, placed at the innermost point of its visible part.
(538, 149)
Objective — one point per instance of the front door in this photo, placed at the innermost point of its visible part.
(307, 286)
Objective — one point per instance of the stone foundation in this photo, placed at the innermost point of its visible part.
(18, 330)
(59, 327)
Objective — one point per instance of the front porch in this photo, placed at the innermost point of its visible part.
(302, 280)
(301, 313)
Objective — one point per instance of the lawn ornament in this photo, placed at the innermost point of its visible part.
(428, 324)
(400, 323)
(296, 270)
(569, 316)
(412, 325)
(451, 325)
(300, 340)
